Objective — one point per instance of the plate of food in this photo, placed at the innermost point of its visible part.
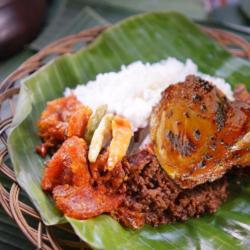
(141, 140)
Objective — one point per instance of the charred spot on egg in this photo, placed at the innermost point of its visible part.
(183, 146)
(187, 143)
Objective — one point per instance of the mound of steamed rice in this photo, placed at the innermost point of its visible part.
(136, 89)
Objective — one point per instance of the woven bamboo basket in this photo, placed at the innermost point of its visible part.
(20, 210)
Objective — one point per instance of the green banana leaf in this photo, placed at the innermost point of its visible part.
(149, 37)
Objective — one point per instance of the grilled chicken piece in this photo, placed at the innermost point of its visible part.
(62, 118)
(194, 129)
(67, 177)
(83, 202)
(67, 166)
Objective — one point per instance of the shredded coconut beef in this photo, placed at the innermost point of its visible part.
(151, 197)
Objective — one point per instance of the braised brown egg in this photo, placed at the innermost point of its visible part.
(198, 134)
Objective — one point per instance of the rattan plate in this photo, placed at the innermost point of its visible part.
(19, 209)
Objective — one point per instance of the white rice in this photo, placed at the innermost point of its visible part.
(135, 89)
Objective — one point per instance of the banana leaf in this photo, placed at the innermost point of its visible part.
(149, 38)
